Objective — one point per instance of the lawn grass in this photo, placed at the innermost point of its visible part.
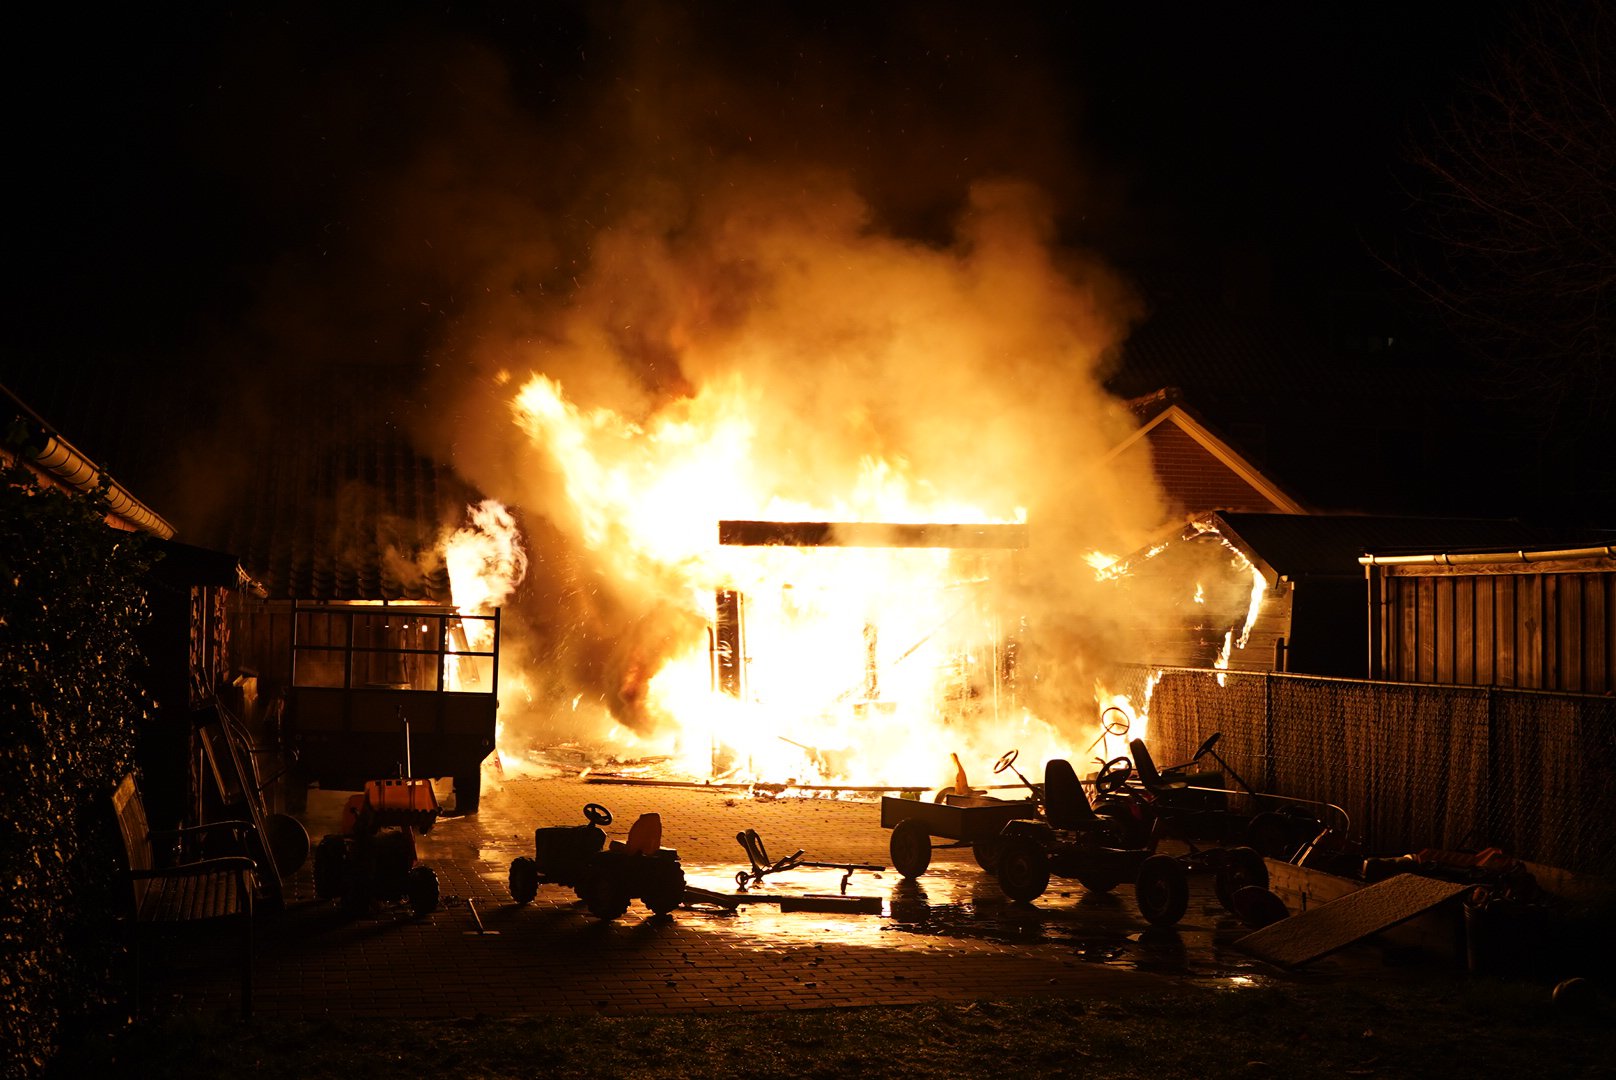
(1454, 1029)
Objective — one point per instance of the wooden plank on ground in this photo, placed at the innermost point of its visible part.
(1320, 931)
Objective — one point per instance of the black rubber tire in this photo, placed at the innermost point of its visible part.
(1277, 836)
(1162, 890)
(910, 848)
(1023, 869)
(986, 853)
(288, 842)
(606, 899)
(1240, 867)
(329, 858)
(666, 890)
(468, 793)
(524, 879)
(421, 885)
(1258, 907)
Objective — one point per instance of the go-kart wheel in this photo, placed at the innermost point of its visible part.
(421, 886)
(667, 890)
(1113, 776)
(1023, 869)
(1257, 907)
(1277, 835)
(605, 897)
(329, 857)
(986, 853)
(1240, 867)
(1130, 823)
(910, 848)
(1162, 890)
(596, 814)
(524, 881)
(1006, 761)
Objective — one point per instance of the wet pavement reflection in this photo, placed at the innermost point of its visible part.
(788, 940)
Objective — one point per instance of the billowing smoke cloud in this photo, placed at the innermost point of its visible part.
(862, 228)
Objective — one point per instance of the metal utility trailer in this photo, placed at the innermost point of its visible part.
(359, 671)
(973, 821)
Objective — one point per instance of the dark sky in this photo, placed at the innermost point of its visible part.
(194, 189)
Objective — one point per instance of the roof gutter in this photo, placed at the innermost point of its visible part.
(62, 461)
(1489, 558)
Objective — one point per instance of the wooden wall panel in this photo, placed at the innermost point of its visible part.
(1548, 631)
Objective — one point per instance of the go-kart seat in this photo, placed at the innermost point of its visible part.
(1066, 804)
(1181, 791)
(1149, 775)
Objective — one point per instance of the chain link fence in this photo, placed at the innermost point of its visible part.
(1414, 766)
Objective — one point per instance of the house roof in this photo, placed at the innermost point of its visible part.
(337, 503)
(1197, 468)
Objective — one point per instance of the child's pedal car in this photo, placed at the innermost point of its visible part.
(605, 877)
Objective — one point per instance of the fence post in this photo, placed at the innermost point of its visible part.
(1268, 731)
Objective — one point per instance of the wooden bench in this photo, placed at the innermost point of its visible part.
(200, 892)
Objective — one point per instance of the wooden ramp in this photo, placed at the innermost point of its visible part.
(1320, 931)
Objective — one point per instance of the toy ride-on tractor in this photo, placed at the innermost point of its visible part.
(605, 877)
(372, 858)
(1100, 851)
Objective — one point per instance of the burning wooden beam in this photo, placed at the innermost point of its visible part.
(869, 534)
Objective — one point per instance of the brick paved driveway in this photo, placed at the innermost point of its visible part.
(948, 936)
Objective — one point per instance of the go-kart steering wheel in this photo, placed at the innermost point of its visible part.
(597, 814)
(1113, 775)
(1006, 761)
(1118, 725)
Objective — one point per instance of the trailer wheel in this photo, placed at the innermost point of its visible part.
(910, 848)
(1240, 867)
(329, 856)
(1023, 869)
(987, 852)
(468, 793)
(524, 882)
(1162, 890)
(422, 888)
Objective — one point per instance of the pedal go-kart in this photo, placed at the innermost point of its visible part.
(1194, 804)
(605, 877)
(1057, 831)
(1073, 840)
(372, 858)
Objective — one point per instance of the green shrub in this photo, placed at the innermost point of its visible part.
(71, 602)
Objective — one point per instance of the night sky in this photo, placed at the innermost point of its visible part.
(198, 194)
